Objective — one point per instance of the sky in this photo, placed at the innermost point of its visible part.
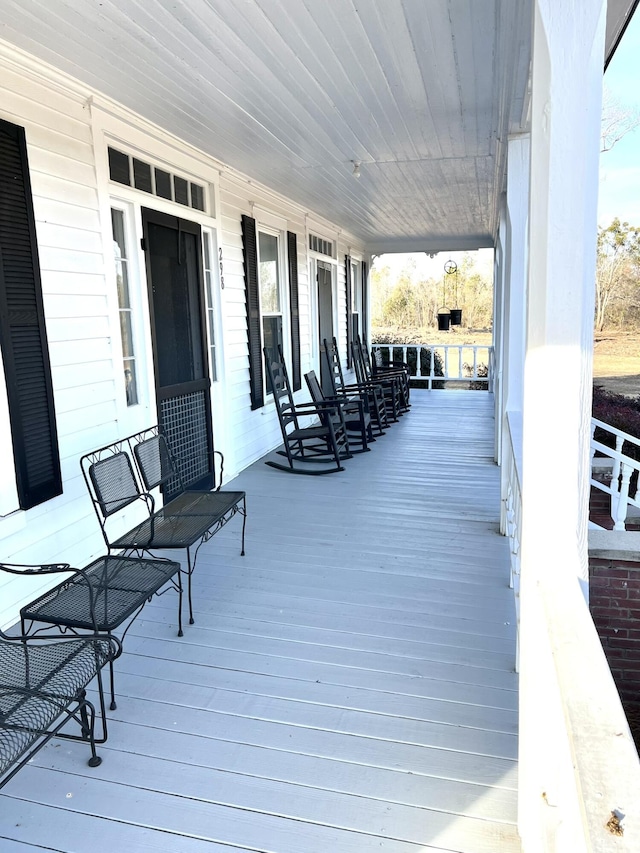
(620, 168)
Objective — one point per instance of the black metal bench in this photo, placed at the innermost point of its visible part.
(125, 473)
(43, 683)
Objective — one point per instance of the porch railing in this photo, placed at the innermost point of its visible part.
(511, 519)
(437, 364)
(618, 472)
(577, 762)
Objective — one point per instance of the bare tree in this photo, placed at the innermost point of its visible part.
(617, 120)
(617, 267)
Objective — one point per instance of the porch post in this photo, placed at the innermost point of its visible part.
(499, 317)
(566, 105)
(567, 69)
(514, 335)
(518, 165)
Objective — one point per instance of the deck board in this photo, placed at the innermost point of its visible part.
(349, 684)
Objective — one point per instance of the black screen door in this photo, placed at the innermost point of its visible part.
(174, 275)
(325, 321)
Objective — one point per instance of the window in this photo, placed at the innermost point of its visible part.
(211, 317)
(270, 296)
(356, 300)
(121, 259)
(266, 301)
(25, 350)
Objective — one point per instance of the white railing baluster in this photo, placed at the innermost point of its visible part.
(623, 468)
(481, 356)
(623, 498)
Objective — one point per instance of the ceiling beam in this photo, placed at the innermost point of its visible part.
(454, 243)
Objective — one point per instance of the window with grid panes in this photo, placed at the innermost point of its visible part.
(121, 260)
(208, 281)
(269, 277)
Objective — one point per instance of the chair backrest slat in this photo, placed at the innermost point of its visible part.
(114, 483)
(334, 372)
(314, 387)
(281, 389)
(154, 461)
(359, 364)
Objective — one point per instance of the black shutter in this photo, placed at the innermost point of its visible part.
(292, 255)
(347, 278)
(364, 308)
(25, 349)
(249, 243)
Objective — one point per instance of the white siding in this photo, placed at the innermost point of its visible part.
(70, 194)
(65, 197)
(257, 432)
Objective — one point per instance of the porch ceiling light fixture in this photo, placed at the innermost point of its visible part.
(356, 168)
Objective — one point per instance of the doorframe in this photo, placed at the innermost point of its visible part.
(153, 216)
(134, 138)
(314, 260)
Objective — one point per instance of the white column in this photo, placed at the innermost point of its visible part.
(566, 106)
(499, 288)
(518, 165)
(515, 287)
(568, 60)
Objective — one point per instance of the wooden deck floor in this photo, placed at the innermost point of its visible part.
(349, 685)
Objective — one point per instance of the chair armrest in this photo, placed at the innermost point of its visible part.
(115, 644)
(34, 569)
(315, 407)
(344, 403)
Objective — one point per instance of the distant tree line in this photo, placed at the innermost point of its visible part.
(618, 277)
(410, 303)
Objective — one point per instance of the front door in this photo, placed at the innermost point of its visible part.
(325, 321)
(173, 253)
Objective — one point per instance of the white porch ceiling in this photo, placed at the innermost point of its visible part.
(290, 92)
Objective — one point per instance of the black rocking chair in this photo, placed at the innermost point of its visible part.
(323, 442)
(371, 393)
(377, 368)
(355, 414)
(390, 385)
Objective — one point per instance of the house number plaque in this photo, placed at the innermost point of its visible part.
(221, 268)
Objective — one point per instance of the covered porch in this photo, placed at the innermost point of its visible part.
(349, 685)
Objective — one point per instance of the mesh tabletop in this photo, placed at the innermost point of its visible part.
(215, 505)
(166, 530)
(37, 683)
(120, 586)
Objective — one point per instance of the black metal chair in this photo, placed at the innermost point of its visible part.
(322, 442)
(43, 683)
(191, 521)
(369, 392)
(355, 414)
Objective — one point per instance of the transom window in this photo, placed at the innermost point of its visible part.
(320, 245)
(133, 172)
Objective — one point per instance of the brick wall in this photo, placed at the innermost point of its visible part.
(614, 599)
